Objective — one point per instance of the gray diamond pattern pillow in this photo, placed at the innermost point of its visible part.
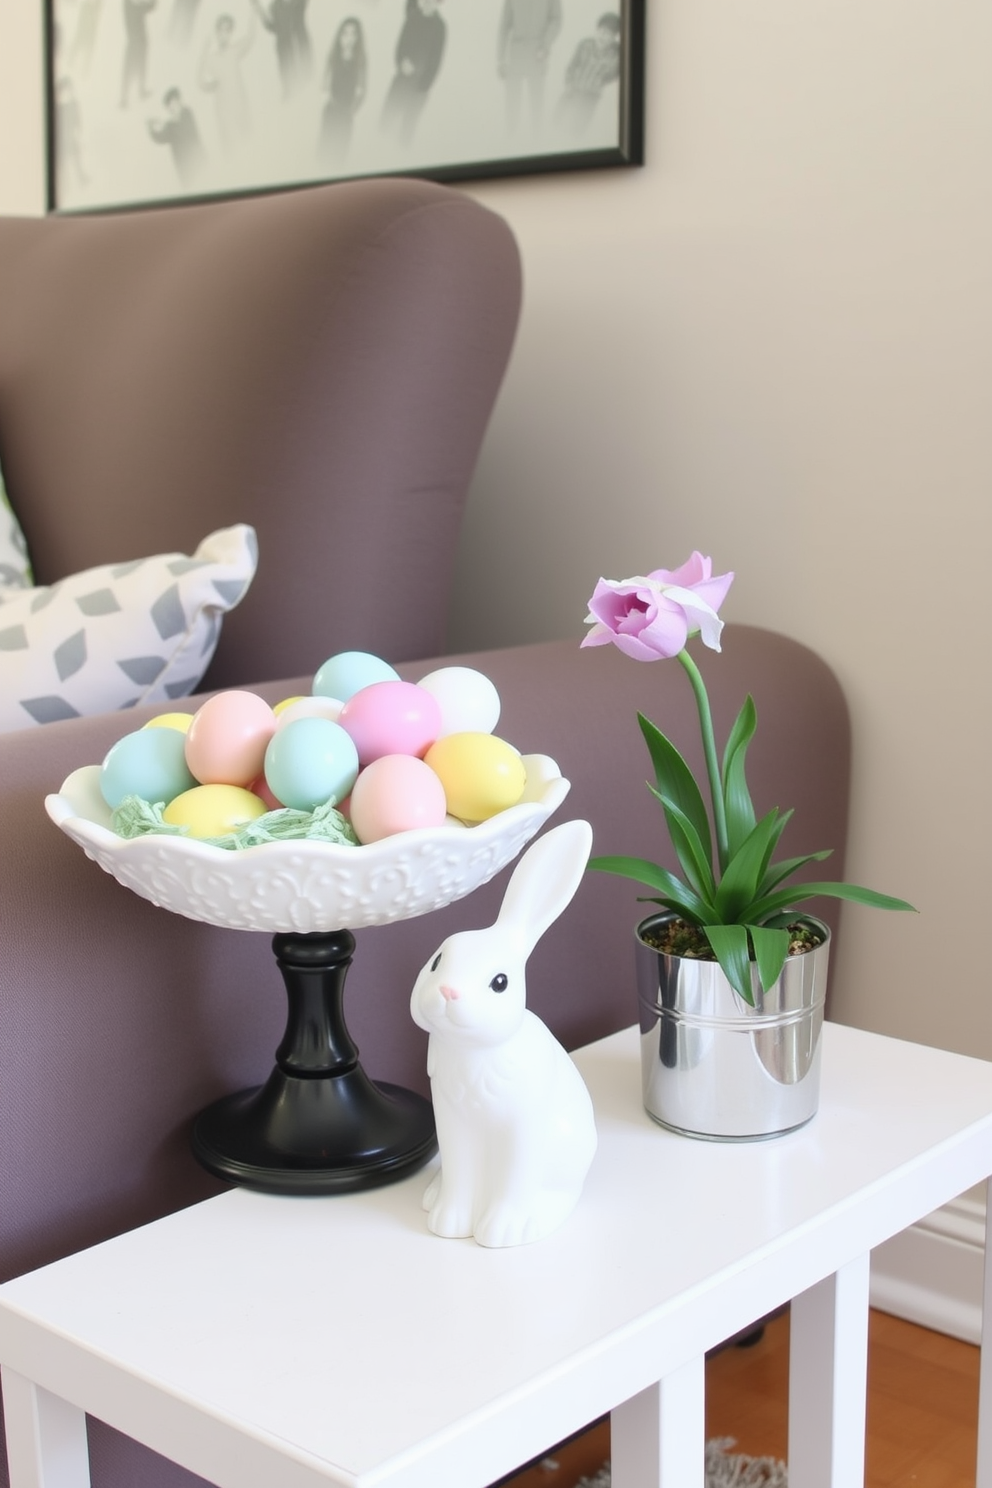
(15, 568)
(127, 633)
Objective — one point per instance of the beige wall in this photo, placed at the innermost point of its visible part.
(774, 343)
(22, 128)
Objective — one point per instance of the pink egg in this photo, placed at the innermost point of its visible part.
(226, 741)
(260, 787)
(391, 718)
(395, 793)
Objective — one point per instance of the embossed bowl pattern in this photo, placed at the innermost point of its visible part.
(308, 886)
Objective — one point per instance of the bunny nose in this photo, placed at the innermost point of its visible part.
(448, 993)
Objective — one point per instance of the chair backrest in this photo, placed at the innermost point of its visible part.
(320, 363)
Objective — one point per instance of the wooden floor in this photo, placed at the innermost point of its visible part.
(922, 1409)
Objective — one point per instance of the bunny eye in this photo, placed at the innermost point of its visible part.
(499, 982)
(436, 962)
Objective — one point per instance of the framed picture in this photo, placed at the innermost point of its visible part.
(151, 101)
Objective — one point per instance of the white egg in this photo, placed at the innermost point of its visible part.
(468, 701)
(310, 707)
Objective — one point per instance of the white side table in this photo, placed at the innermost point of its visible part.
(261, 1340)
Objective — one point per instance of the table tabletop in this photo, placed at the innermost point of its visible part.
(260, 1338)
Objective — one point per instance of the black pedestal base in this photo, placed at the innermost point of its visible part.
(322, 1136)
(318, 1125)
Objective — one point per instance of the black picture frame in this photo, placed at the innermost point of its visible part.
(242, 105)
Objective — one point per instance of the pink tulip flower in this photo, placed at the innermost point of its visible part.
(650, 618)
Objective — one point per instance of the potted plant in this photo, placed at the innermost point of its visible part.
(731, 972)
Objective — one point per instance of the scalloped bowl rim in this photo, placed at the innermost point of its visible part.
(79, 811)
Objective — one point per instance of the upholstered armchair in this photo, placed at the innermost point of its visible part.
(320, 365)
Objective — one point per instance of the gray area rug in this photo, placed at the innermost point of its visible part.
(724, 1469)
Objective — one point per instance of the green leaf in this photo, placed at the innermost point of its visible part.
(670, 905)
(689, 850)
(676, 783)
(739, 885)
(730, 947)
(676, 894)
(777, 872)
(736, 796)
(772, 904)
(782, 822)
(771, 947)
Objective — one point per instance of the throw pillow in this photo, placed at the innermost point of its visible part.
(118, 635)
(15, 569)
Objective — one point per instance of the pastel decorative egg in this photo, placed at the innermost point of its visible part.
(150, 763)
(396, 793)
(213, 810)
(343, 675)
(227, 739)
(481, 774)
(309, 761)
(391, 718)
(180, 721)
(468, 700)
(260, 787)
(280, 707)
(309, 707)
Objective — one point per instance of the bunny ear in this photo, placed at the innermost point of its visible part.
(544, 881)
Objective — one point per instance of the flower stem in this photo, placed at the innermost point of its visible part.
(709, 753)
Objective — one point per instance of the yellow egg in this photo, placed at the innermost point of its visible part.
(481, 774)
(214, 810)
(180, 721)
(286, 703)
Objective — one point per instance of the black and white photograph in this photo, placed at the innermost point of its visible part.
(157, 100)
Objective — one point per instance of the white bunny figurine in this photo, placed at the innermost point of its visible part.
(515, 1124)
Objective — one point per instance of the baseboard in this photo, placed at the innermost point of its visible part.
(931, 1274)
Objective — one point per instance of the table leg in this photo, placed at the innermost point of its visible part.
(828, 1380)
(983, 1477)
(46, 1437)
(658, 1438)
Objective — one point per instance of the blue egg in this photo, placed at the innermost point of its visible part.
(150, 763)
(343, 675)
(309, 761)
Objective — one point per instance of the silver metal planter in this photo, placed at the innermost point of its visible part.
(714, 1067)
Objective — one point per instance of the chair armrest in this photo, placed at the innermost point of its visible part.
(119, 1021)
